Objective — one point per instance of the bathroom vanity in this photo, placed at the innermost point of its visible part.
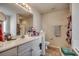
(28, 46)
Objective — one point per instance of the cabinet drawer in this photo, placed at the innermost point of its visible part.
(21, 52)
(25, 53)
(11, 52)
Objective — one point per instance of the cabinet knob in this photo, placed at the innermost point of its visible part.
(40, 46)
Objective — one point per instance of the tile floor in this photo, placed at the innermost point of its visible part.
(52, 51)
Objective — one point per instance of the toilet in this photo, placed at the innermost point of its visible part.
(46, 44)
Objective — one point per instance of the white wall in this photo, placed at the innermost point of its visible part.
(36, 19)
(75, 25)
(70, 6)
(58, 17)
(6, 10)
(6, 25)
(13, 25)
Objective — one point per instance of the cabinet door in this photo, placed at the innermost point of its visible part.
(25, 49)
(11, 52)
(36, 51)
(25, 53)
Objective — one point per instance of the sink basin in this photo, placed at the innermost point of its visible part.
(11, 39)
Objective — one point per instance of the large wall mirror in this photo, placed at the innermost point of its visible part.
(24, 22)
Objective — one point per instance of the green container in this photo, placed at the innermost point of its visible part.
(68, 52)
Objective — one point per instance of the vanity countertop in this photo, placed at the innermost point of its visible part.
(13, 43)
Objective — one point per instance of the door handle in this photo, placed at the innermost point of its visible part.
(40, 46)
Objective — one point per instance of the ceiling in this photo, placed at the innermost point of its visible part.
(40, 7)
(47, 7)
(11, 7)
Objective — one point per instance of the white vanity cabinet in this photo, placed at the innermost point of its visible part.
(30, 49)
(34, 47)
(10, 52)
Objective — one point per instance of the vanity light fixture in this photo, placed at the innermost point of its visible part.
(25, 5)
